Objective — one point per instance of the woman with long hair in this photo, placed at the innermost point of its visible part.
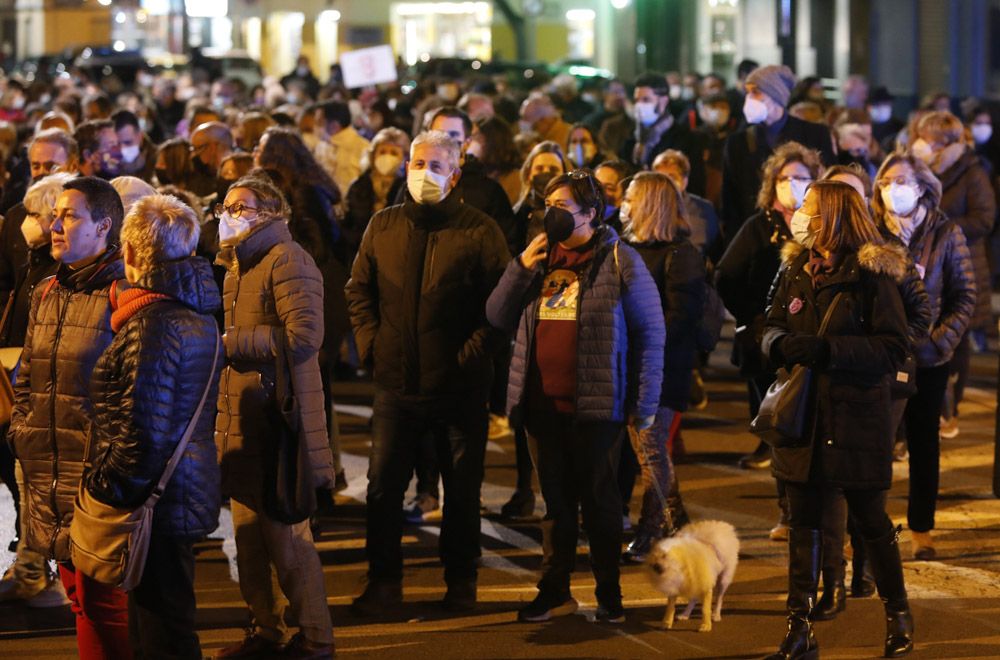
(582, 148)
(543, 164)
(173, 163)
(837, 310)
(493, 145)
(655, 225)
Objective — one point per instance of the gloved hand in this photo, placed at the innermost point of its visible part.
(810, 350)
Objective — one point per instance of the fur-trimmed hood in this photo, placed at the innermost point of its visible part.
(886, 259)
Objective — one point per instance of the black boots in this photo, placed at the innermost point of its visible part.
(803, 574)
(834, 598)
(674, 515)
(883, 553)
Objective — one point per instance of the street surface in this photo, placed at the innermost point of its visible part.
(955, 600)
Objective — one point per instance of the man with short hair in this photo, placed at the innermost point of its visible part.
(417, 298)
(340, 147)
(100, 154)
(539, 114)
(137, 150)
(210, 144)
(68, 328)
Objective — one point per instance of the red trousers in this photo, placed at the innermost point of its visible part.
(101, 616)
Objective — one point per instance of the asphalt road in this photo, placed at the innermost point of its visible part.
(956, 599)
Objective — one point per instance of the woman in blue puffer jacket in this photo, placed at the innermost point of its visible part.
(587, 361)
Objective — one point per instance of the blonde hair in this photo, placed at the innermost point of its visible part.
(41, 196)
(676, 158)
(845, 222)
(546, 147)
(930, 186)
(388, 135)
(160, 228)
(790, 152)
(656, 210)
(942, 126)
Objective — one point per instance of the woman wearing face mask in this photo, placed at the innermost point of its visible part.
(543, 164)
(837, 310)
(576, 290)
(611, 174)
(273, 293)
(493, 145)
(378, 185)
(581, 147)
(746, 271)
(905, 202)
(968, 199)
(656, 226)
(173, 163)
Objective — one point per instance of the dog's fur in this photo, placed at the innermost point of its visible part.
(699, 561)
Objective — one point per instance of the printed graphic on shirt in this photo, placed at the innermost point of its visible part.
(559, 296)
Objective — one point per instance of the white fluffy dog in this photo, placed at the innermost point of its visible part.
(699, 561)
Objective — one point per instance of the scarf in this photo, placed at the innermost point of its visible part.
(125, 305)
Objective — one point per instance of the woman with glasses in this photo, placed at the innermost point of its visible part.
(588, 360)
(273, 301)
(905, 204)
(837, 311)
(746, 271)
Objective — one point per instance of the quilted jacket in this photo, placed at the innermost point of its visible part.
(145, 389)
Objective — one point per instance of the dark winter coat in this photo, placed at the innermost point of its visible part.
(950, 284)
(691, 143)
(968, 200)
(916, 302)
(39, 266)
(433, 341)
(529, 215)
(479, 191)
(145, 390)
(743, 279)
(361, 206)
(620, 332)
(13, 249)
(743, 158)
(851, 437)
(68, 329)
(678, 269)
(273, 293)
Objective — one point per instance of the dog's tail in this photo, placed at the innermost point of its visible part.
(720, 536)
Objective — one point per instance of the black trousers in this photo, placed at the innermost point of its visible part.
(161, 609)
(922, 416)
(458, 429)
(809, 503)
(577, 464)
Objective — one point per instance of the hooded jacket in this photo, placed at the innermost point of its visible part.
(849, 417)
(273, 293)
(145, 389)
(51, 423)
(620, 325)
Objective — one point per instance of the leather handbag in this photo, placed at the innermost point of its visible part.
(110, 544)
(781, 421)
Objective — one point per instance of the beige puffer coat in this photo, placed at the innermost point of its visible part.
(68, 328)
(273, 292)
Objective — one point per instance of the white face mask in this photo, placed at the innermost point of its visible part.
(714, 117)
(33, 233)
(387, 164)
(130, 153)
(880, 113)
(755, 111)
(581, 153)
(230, 228)
(427, 187)
(982, 133)
(801, 231)
(922, 150)
(645, 113)
(900, 200)
(791, 193)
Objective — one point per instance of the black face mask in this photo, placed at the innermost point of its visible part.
(163, 176)
(202, 169)
(559, 224)
(539, 181)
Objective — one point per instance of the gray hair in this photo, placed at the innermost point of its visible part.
(438, 140)
(160, 228)
(388, 135)
(41, 197)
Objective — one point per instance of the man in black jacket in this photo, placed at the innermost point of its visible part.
(417, 299)
(769, 125)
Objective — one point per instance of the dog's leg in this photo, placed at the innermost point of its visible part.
(686, 614)
(706, 612)
(720, 587)
(668, 616)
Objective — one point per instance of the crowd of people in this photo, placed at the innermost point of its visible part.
(553, 263)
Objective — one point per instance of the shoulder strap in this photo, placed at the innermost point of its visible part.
(829, 314)
(925, 255)
(188, 432)
(48, 287)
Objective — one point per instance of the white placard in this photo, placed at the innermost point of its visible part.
(368, 66)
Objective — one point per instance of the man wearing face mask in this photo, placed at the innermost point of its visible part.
(768, 126)
(417, 300)
(137, 150)
(716, 123)
(210, 144)
(884, 125)
(340, 147)
(538, 114)
(302, 74)
(100, 153)
(657, 130)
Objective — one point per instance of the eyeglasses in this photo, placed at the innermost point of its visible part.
(898, 180)
(197, 149)
(579, 175)
(235, 210)
(799, 179)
